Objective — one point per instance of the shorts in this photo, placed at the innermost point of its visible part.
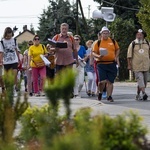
(141, 77)
(107, 72)
(13, 66)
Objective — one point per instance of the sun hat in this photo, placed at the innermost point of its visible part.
(104, 29)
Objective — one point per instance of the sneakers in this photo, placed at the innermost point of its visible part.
(99, 96)
(37, 95)
(26, 90)
(42, 93)
(89, 93)
(104, 95)
(30, 94)
(110, 99)
(145, 96)
(138, 97)
(77, 96)
(93, 93)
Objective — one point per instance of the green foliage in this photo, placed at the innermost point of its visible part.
(120, 30)
(48, 127)
(10, 111)
(103, 132)
(143, 16)
(23, 46)
(40, 122)
(52, 17)
(61, 88)
(123, 132)
(125, 9)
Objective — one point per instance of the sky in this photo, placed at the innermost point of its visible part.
(26, 12)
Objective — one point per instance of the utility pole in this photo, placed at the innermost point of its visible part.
(84, 20)
(89, 9)
(77, 19)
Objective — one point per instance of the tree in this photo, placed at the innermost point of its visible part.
(143, 16)
(55, 14)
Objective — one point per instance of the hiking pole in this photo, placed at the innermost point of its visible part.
(85, 81)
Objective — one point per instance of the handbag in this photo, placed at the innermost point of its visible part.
(39, 64)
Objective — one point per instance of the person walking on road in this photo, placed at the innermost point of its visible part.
(79, 82)
(27, 72)
(64, 56)
(38, 66)
(138, 57)
(89, 69)
(106, 54)
(10, 58)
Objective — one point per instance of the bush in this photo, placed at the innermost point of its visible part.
(123, 132)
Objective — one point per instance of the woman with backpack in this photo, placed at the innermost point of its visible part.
(10, 58)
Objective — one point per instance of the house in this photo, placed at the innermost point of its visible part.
(26, 35)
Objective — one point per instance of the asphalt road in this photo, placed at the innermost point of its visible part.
(124, 95)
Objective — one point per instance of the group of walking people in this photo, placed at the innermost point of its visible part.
(99, 60)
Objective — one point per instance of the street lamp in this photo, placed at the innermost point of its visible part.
(105, 13)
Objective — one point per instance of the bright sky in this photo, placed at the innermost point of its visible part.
(26, 12)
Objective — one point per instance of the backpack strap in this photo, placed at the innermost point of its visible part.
(113, 40)
(147, 43)
(57, 36)
(15, 41)
(2, 44)
(98, 43)
(43, 48)
(133, 45)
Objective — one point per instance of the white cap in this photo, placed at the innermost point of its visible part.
(140, 30)
(104, 29)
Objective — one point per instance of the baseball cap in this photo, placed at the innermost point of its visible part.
(104, 29)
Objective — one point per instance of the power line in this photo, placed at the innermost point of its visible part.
(19, 23)
(134, 9)
(26, 16)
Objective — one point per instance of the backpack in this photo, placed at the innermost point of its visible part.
(133, 45)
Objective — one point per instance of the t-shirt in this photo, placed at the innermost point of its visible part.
(82, 51)
(111, 48)
(139, 55)
(35, 52)
(9, 50)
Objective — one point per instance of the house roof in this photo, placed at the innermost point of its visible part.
(25, 36)
(24, 32)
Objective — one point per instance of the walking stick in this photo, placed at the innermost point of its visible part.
(85, 81)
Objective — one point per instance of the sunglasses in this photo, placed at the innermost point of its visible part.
(30, 44)
(36, 39)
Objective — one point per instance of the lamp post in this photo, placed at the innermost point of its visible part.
(105, 13)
